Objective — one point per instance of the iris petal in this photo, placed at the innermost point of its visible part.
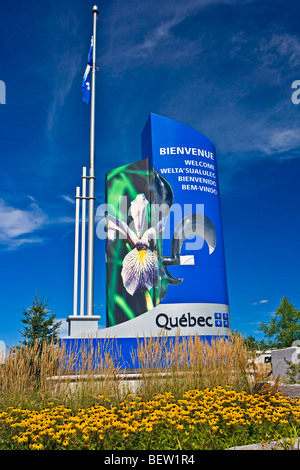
(114, 225)
(153, 232)
(140, 270)
(138, 211)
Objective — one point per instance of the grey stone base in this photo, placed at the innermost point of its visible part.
(83, 325)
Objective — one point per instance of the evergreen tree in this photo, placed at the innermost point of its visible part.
(251, 342)
(284, 328)
(39, 325)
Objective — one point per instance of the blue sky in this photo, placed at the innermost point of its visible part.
(223, 67)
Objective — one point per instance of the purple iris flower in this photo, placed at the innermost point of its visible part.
(140, 270)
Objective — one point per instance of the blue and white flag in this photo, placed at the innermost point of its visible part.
(86, 87)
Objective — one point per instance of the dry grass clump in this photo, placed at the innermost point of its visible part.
(31, 377)
(191, 363)
(22, 377)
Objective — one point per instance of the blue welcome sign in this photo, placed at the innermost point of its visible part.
(187, 160)
(165, 263)
(165, 254)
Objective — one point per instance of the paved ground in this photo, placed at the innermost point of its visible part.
(274, 445)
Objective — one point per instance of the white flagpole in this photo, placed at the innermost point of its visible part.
(75, 295)
(83, 224)
(91, 212)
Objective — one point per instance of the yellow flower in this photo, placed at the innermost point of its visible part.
(21, 439)
(36, 446)
(148, 428)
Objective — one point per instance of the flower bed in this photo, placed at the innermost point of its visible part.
(216, 418)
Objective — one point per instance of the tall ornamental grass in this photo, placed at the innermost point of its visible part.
(33, 376)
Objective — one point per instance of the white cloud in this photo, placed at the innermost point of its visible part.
(68, 198)
(277, 47)
(263, 301)
(63, 220)
(63, 329)
(281, 140)
(18, 225)
(143, 31)
(63, 84)
(67, 54)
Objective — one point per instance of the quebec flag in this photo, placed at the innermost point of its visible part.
(86, 87)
